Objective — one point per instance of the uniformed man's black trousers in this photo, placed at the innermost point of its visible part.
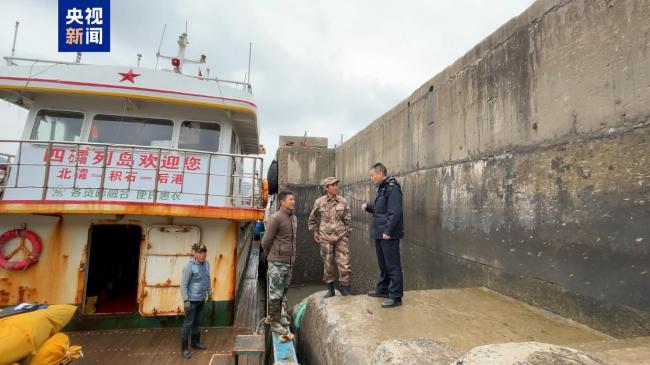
(390, 268)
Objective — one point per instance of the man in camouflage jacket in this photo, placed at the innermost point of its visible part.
(332, 233)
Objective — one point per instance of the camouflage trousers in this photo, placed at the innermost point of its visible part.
(278, 276)
(336, 254)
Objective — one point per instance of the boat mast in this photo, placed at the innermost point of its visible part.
(160, 45)
(10, 61)
(248, 75)
(180, 59)
(182, 45)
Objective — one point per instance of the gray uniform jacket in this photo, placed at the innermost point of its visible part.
(195, 281)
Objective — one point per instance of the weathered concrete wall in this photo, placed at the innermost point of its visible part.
(525, 166)
(303, 163)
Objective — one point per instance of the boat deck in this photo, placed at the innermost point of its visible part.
(252, 303)
(161, 346)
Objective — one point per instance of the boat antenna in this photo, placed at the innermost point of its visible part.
(250, 52)
(13, 47)
(180, 59)
(160, 45)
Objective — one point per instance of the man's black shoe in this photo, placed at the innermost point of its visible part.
(377, 294)
(199, 346)
(186, 354)
(390, 303)
(196, 343)
(184, 351)
(330, 290)
(345, 290)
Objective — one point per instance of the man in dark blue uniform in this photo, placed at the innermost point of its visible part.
(387, 230)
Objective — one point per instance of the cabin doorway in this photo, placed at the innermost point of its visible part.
(113, 259)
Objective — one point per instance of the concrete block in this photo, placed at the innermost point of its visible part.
(526, 353)
(351, 330)
(301, 141)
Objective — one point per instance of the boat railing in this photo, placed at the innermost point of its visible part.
(245, 85)
(10, 61)
(99, 172)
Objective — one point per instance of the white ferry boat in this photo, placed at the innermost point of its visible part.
(118, 172)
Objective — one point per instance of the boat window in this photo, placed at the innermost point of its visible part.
(137, 131)
(51, 125)
(200, 136)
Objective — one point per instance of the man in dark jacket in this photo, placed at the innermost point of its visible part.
(195, 290)
(279, 244)
(387, 230)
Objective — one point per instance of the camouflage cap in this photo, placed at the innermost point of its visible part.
(330, 180)
(198, 247)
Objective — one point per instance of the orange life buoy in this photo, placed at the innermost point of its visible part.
(32, 255)
(265, 192)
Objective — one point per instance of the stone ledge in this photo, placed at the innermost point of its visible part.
(349, 330)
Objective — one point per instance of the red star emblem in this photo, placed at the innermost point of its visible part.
(130, 76)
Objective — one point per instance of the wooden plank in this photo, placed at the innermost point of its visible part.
(221, 359)
(249, 344)
(251, 306)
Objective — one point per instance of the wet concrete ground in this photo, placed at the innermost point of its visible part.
(630, 351)
(354, 326)
(298, 293)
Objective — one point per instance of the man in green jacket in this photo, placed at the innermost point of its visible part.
(279, 245)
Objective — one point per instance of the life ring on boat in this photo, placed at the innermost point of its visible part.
(265, 192)
(32, 255)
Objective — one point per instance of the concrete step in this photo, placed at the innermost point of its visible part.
(348, 330)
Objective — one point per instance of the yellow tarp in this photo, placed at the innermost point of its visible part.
(23, 334)
(14, 344)
(55, 351)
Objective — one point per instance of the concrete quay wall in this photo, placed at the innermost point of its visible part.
(303, 164)
(525, 167)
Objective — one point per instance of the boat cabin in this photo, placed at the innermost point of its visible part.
(119, 170)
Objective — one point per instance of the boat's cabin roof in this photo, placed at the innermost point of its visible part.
(122, 105)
